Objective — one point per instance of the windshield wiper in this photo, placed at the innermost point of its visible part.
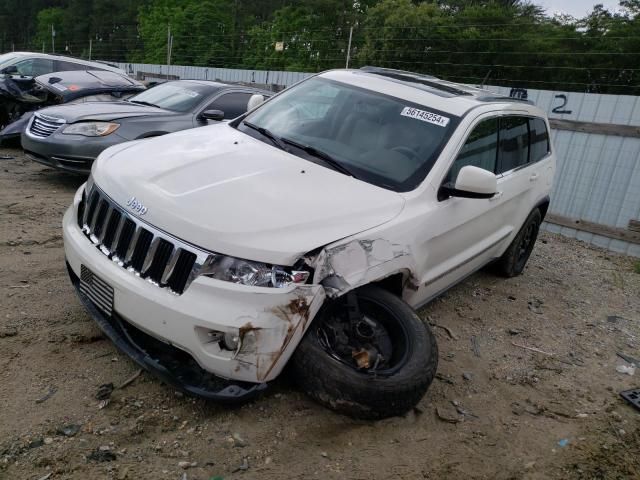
(324, 156)
(274, 138)
(140, 102)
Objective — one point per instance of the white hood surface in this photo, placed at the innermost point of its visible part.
(227, 192)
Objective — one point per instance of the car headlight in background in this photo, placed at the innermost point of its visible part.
(91, 129)
(246, 272)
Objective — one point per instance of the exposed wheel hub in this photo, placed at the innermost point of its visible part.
(354, 338)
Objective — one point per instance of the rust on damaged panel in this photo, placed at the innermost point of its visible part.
(296, 307)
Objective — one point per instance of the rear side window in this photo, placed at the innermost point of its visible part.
(232, 104)
(514, 143)
(539, 139)
(63, 66)
(480, 149)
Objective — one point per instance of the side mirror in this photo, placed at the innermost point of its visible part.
(216, 115)
(473, 182)
(255, 100)
(10, 70)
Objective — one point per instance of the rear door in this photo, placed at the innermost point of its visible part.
(520, 169)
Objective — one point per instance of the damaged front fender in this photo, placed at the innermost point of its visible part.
(344, 267)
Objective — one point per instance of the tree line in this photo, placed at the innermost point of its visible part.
(500, 42)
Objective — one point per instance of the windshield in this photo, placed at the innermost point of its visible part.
(7, 59)
(177, 96)
(379, 139)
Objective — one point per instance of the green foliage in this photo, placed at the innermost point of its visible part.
(636, 267)
(314, 36)
(202, 31)
(44, 21)
(506, 42)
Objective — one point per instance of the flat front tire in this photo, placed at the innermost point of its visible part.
(394, 387)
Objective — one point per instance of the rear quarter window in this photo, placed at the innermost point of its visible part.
(63, 66)
(539, 137)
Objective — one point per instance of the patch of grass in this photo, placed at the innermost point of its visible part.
(636, 267)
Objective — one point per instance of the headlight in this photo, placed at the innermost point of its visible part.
(246, 272)
(91, 129)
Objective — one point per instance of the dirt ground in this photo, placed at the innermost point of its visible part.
(495, 411)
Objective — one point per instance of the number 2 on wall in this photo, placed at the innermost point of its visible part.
(560, 108)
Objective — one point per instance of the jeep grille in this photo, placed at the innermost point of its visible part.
(136, 246)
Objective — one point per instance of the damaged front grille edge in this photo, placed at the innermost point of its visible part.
(138, 247)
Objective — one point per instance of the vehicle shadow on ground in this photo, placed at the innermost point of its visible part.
(62, 179)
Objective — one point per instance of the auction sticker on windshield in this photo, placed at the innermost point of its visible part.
(425, 116)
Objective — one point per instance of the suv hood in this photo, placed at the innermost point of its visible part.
(103, 111)
(230, 193)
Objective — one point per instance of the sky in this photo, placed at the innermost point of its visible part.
(577, 8)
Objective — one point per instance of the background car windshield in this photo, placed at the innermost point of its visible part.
(383, 140)
(7, 59)
(179, 97)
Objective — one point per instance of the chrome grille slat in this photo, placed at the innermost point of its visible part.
(92, 198)
(132, 245)
(43, 126)
(111, 225)
(94, 217)
(136, 246)
(107, 219)
(146, 263)
(116, 236)
(171, 264)
(104, 212)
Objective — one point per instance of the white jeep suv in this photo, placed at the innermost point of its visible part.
(306, 232)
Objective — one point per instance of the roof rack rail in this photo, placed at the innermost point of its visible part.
(502, 98)
(383, 70)
(433, 83)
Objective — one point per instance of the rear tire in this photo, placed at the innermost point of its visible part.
(513, 261)
(373, 393)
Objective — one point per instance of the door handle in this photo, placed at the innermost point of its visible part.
(533, 177)
(496, 197)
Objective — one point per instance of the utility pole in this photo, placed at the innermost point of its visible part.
(53, 39)
(170, 49)
(42, 47)
(90, 46)
(168, 45)
(349, 46)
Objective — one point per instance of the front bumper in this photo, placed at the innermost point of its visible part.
(171, 365)
(71, 153)
(270, 322)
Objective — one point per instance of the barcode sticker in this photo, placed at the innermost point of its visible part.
(425, 116)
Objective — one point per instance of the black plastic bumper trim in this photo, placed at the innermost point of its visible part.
(232, 392)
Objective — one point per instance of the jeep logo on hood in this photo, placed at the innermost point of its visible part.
(136, 205)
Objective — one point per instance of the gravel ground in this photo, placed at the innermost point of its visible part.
(497, 410)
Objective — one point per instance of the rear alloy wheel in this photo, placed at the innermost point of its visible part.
(367, 355)
(513, 261)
